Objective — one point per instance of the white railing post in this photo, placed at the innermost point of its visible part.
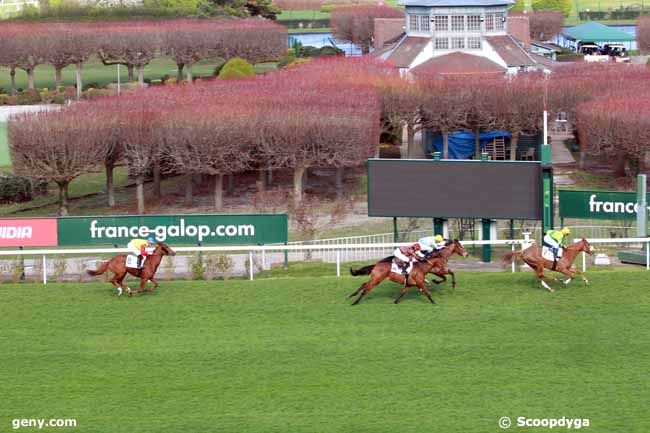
(250, 265)
(584, 262)
(44, 269)
(338, 263)
(647, 254)
(513, 259)
(263, 259)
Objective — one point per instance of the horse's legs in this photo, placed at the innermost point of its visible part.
(440, 281)
(402, 293)
(155, 284)
(453, 278)
(581, 275)
(366, 289)
(541, 276)
(356, 292)
(118, 278)
(423, 288)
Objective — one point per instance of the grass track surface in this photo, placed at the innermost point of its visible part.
(291, 355)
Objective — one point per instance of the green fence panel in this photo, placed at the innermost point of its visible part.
(174, 229)
(605, 205)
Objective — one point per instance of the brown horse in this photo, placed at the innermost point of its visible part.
(382, 270)
(439, 271)
(532, 256)
(117, 265)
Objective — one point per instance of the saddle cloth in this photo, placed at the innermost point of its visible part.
(398, 270)
(547, 253)
(132, 261)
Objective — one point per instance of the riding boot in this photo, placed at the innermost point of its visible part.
(139, 264)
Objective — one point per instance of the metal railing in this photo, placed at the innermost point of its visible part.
(337, 249)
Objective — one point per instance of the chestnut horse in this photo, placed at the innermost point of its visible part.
(441, 272)
(117, 265)
(382, 270)
(532, 256)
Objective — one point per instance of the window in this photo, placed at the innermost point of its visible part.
(457, 43)
(474, 22)
(489, 22)
(441, 23)
(442, 43)
(499, 21)
(457, 23)
(413, 22)
(424, 23)
(419, 23)
(474, 42)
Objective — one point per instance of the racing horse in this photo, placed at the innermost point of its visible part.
(532, 256)
(382, 270)
(445, 252)
(117, 265)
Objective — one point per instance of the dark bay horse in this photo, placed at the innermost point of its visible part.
(532, 256)
(446, 252)
(382, 270)
(117, 265)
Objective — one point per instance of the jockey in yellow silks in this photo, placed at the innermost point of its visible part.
(139, 248)
(556, 240)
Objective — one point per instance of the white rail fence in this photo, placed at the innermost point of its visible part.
(264, 253)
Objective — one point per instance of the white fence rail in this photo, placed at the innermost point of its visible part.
(336, 249)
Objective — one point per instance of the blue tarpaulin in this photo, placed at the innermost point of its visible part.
(461, 144)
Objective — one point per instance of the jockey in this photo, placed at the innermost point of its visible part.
(139, 248)
(556, 241)
(431, 243)
(404, 256)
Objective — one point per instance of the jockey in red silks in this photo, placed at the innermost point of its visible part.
(139, 248)
(404, 256)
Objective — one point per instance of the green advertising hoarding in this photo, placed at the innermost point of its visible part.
(606, 205)
(174, 229)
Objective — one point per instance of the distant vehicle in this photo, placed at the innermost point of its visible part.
(589, 49)
(617, 52)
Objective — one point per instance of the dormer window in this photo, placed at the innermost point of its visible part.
(441, 23)
(457, 23)
(419, 23)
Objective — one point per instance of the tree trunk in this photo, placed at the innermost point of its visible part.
(156, 180)
(179, 74)
(513, 146)
(269, 175)
(261, 180)
(218, 192)
(339, 183)
(445, 145)
(581, 160)
(230, 183)
(58, 72)
(30, 77)
(619, 166)
(79, 83)
(188, 190)
(110, 188)
(63, 198)
(298, 174)
(410, 140)
(477, 144)
(139, 191)
(12, 74)
(141, 75)
(129, 69)
(190, 77)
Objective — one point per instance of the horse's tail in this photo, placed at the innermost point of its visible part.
(512, 256)
(366, 270)
(99, 270)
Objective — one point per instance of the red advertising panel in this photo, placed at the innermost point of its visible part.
(32, 232)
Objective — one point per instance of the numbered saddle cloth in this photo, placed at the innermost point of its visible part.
(132, 261)
(398, 269)
(547, 253)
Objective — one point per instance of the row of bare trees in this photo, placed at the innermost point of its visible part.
(134, 44)
(287, 120)
(326, 113)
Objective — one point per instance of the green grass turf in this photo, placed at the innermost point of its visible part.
(95, 72)
(5, 160)
(291, 355)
